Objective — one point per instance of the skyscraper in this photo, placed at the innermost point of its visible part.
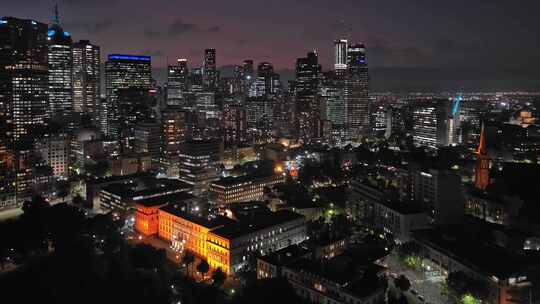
(357, 91)
(265, 72)
(234, 124)
(86, 78)
(431, 124)
(307, 80)
(209, 69)
(123, 72)
(177, 81)
(60, 68)
(340, 55)
(23, 76)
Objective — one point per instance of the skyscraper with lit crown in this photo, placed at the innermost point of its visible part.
(123, 72)
(357, 91)
(340, 55)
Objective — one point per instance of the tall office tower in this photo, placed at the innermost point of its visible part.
(23, 77)
(248, 68)
(248, 74)
(209, 69)
(440, 192)
(265, 72)
(236, 84)
(357, 91)
(307, 80)
(177, 81)
(123, 72)
(199, 163)
(148, 139)
(234, 124)
(430, 124)
(173, 135)
(54, 151)
(340, 55)
(86, 78)
(196, 80)
(381, 121)
(60, 69)
(134, 105)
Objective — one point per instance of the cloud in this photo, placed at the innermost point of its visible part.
(179, 27)
(91, 27)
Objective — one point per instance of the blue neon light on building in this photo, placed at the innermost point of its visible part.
(455, 106)
(51, 33)
(67, 34)
(129, 57)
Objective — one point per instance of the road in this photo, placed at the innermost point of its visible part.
(429, 288)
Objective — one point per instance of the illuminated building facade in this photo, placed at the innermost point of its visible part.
(340, 55)
(245, 188)
(123, 72)
(173, 128)
(147, 139)
(223, 242)
(199, 162)
(228, 247)
(308, 72)
(177, 82)
(209, 70)
(186, 230)
(234, 124)
(86, 78)
(24, 76)
(54, 150)
(60, 69)
(481, 170)
(357, 91)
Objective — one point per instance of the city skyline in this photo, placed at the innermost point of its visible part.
(412, 43)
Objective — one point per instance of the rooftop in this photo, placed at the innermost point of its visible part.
(260, 222)
(207, 222)
(483, 257)
(165, 199)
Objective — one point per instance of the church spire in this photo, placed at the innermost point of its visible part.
(481, 172)
(481, 150)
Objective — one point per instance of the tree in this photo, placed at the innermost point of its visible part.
(203, 268)
(402, 283)
(63, 189)
(78, 201)
(465, 288)
(188, 259)
(219, 277)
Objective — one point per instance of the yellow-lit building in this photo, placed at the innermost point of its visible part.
(176, 225)
(223, 242)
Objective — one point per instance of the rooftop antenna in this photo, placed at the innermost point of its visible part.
(56, 19)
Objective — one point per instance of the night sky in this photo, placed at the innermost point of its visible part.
(412, 44)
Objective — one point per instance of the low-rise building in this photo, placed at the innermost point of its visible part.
(506, 274)
(341, 279)
(399, 219)
(231, 190)
(124, 195)
(232, 246)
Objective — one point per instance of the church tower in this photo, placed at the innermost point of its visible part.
(481, 171)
